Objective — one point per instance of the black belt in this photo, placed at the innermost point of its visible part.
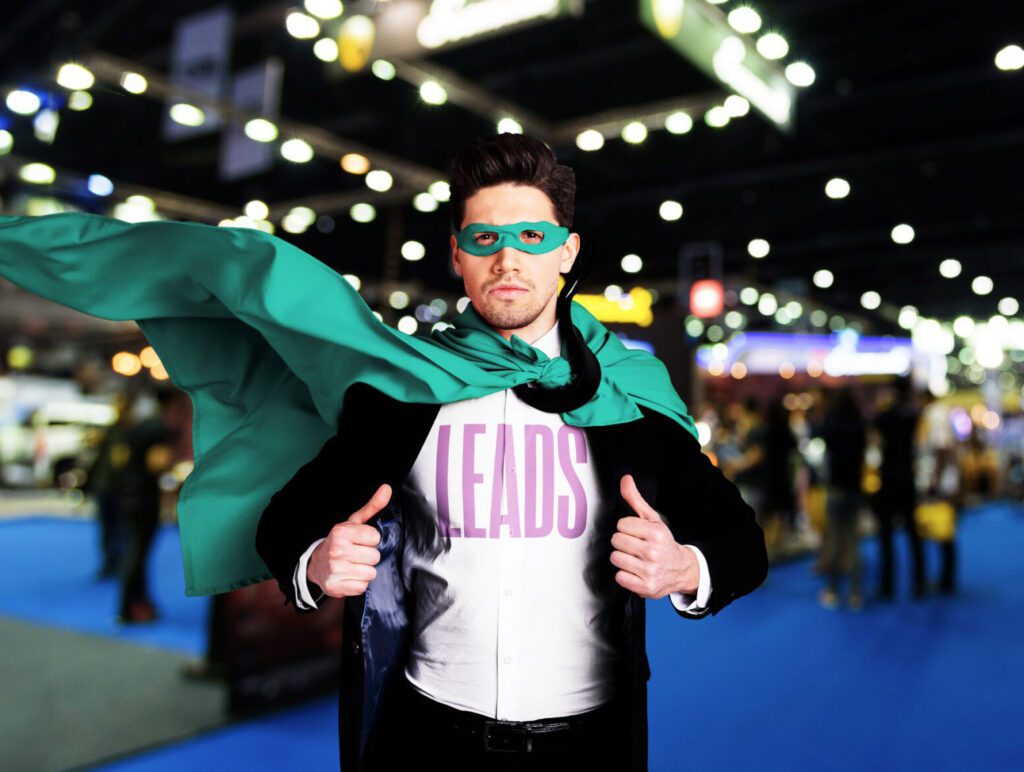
(515, 736)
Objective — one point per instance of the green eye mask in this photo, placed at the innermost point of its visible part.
(537, 238)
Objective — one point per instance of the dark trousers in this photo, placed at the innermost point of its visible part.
(947, 579)
(897, 499)
(142, 518)
(412, 732)
(842, 551)
(112, 528)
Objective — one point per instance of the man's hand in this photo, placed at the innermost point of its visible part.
(343, 564)
(652, 563)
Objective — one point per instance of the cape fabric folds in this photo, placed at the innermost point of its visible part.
(265, 339)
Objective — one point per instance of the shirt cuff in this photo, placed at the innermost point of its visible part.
(303, 597)
(687, 601)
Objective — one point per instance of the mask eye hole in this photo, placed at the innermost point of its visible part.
(485, 237)
(531, 237)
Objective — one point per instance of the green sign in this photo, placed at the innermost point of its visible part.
(701, 33)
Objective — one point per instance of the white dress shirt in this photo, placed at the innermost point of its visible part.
(505, 623)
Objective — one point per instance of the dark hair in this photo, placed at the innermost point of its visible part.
(492, 159)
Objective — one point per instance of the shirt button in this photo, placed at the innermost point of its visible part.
(507, 660)
(508, 591)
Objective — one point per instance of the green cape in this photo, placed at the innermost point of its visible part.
(265, 339)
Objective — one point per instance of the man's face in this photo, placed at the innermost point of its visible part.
(532, 308)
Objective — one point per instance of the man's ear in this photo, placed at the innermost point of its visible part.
(455, 256)
(573, 249)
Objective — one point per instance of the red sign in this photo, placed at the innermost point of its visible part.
(706, 298)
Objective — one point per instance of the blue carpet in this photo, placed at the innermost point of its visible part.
(303, 738)
(47, 570)
(775, 682)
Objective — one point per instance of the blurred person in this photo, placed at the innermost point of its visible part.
(564, 675)
(844, 431)
(102, 481)
(149, 454)
(780, 501)
(749, 470)
(896, 499)
(980, 472)
(940, 476)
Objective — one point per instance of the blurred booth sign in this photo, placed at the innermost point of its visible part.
(701, 33)
(256, 88)
(707, 298)
(699, 279)
(840, 354)
(455, 21)
(200, 61)
(413, 28)
(633, 307)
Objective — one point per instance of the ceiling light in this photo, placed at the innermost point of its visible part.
(950, 268)
(902, 234)
(758, 248)
(379, 180)
(260, 130)
(800, 74)
(634, 132)
(744, 19)
(590, 140)
(982, 285)
(670, 210)
(75, 77)
(297, 151)
(772, 46)
(823, 278)
(1010, 58)
(837, 187)
(433, 93)
(678, 122)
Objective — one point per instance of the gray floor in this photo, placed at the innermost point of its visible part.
(69, 700)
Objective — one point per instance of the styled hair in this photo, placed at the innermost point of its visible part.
(492, 159)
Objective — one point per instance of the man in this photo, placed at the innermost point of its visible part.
(896, 425)
(148, 454)
(748, 471)
(494, 559)
(845, 434)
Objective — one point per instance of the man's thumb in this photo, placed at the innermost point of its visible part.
(631, 493)
(377, 502)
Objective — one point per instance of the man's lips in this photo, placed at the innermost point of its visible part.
(508, 289)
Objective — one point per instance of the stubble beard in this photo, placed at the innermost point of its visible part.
(510, 315)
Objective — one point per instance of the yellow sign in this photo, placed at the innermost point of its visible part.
(632, 308)
(355, 42)
(668, 16)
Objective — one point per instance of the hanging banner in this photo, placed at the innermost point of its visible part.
(257, 88)
(200, 61)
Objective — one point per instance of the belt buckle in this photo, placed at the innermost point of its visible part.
(523, 741)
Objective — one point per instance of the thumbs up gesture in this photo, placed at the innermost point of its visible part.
(652, 564)
(343, 564)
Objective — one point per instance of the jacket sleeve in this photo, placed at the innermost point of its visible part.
(323, 492)
(705, 509)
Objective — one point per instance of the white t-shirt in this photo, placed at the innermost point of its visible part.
(505, 623)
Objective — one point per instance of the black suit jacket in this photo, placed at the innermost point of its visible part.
(378, 441)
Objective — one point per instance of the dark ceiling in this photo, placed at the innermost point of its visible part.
(907, 105)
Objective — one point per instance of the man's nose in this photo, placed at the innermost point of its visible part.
(508, 258)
